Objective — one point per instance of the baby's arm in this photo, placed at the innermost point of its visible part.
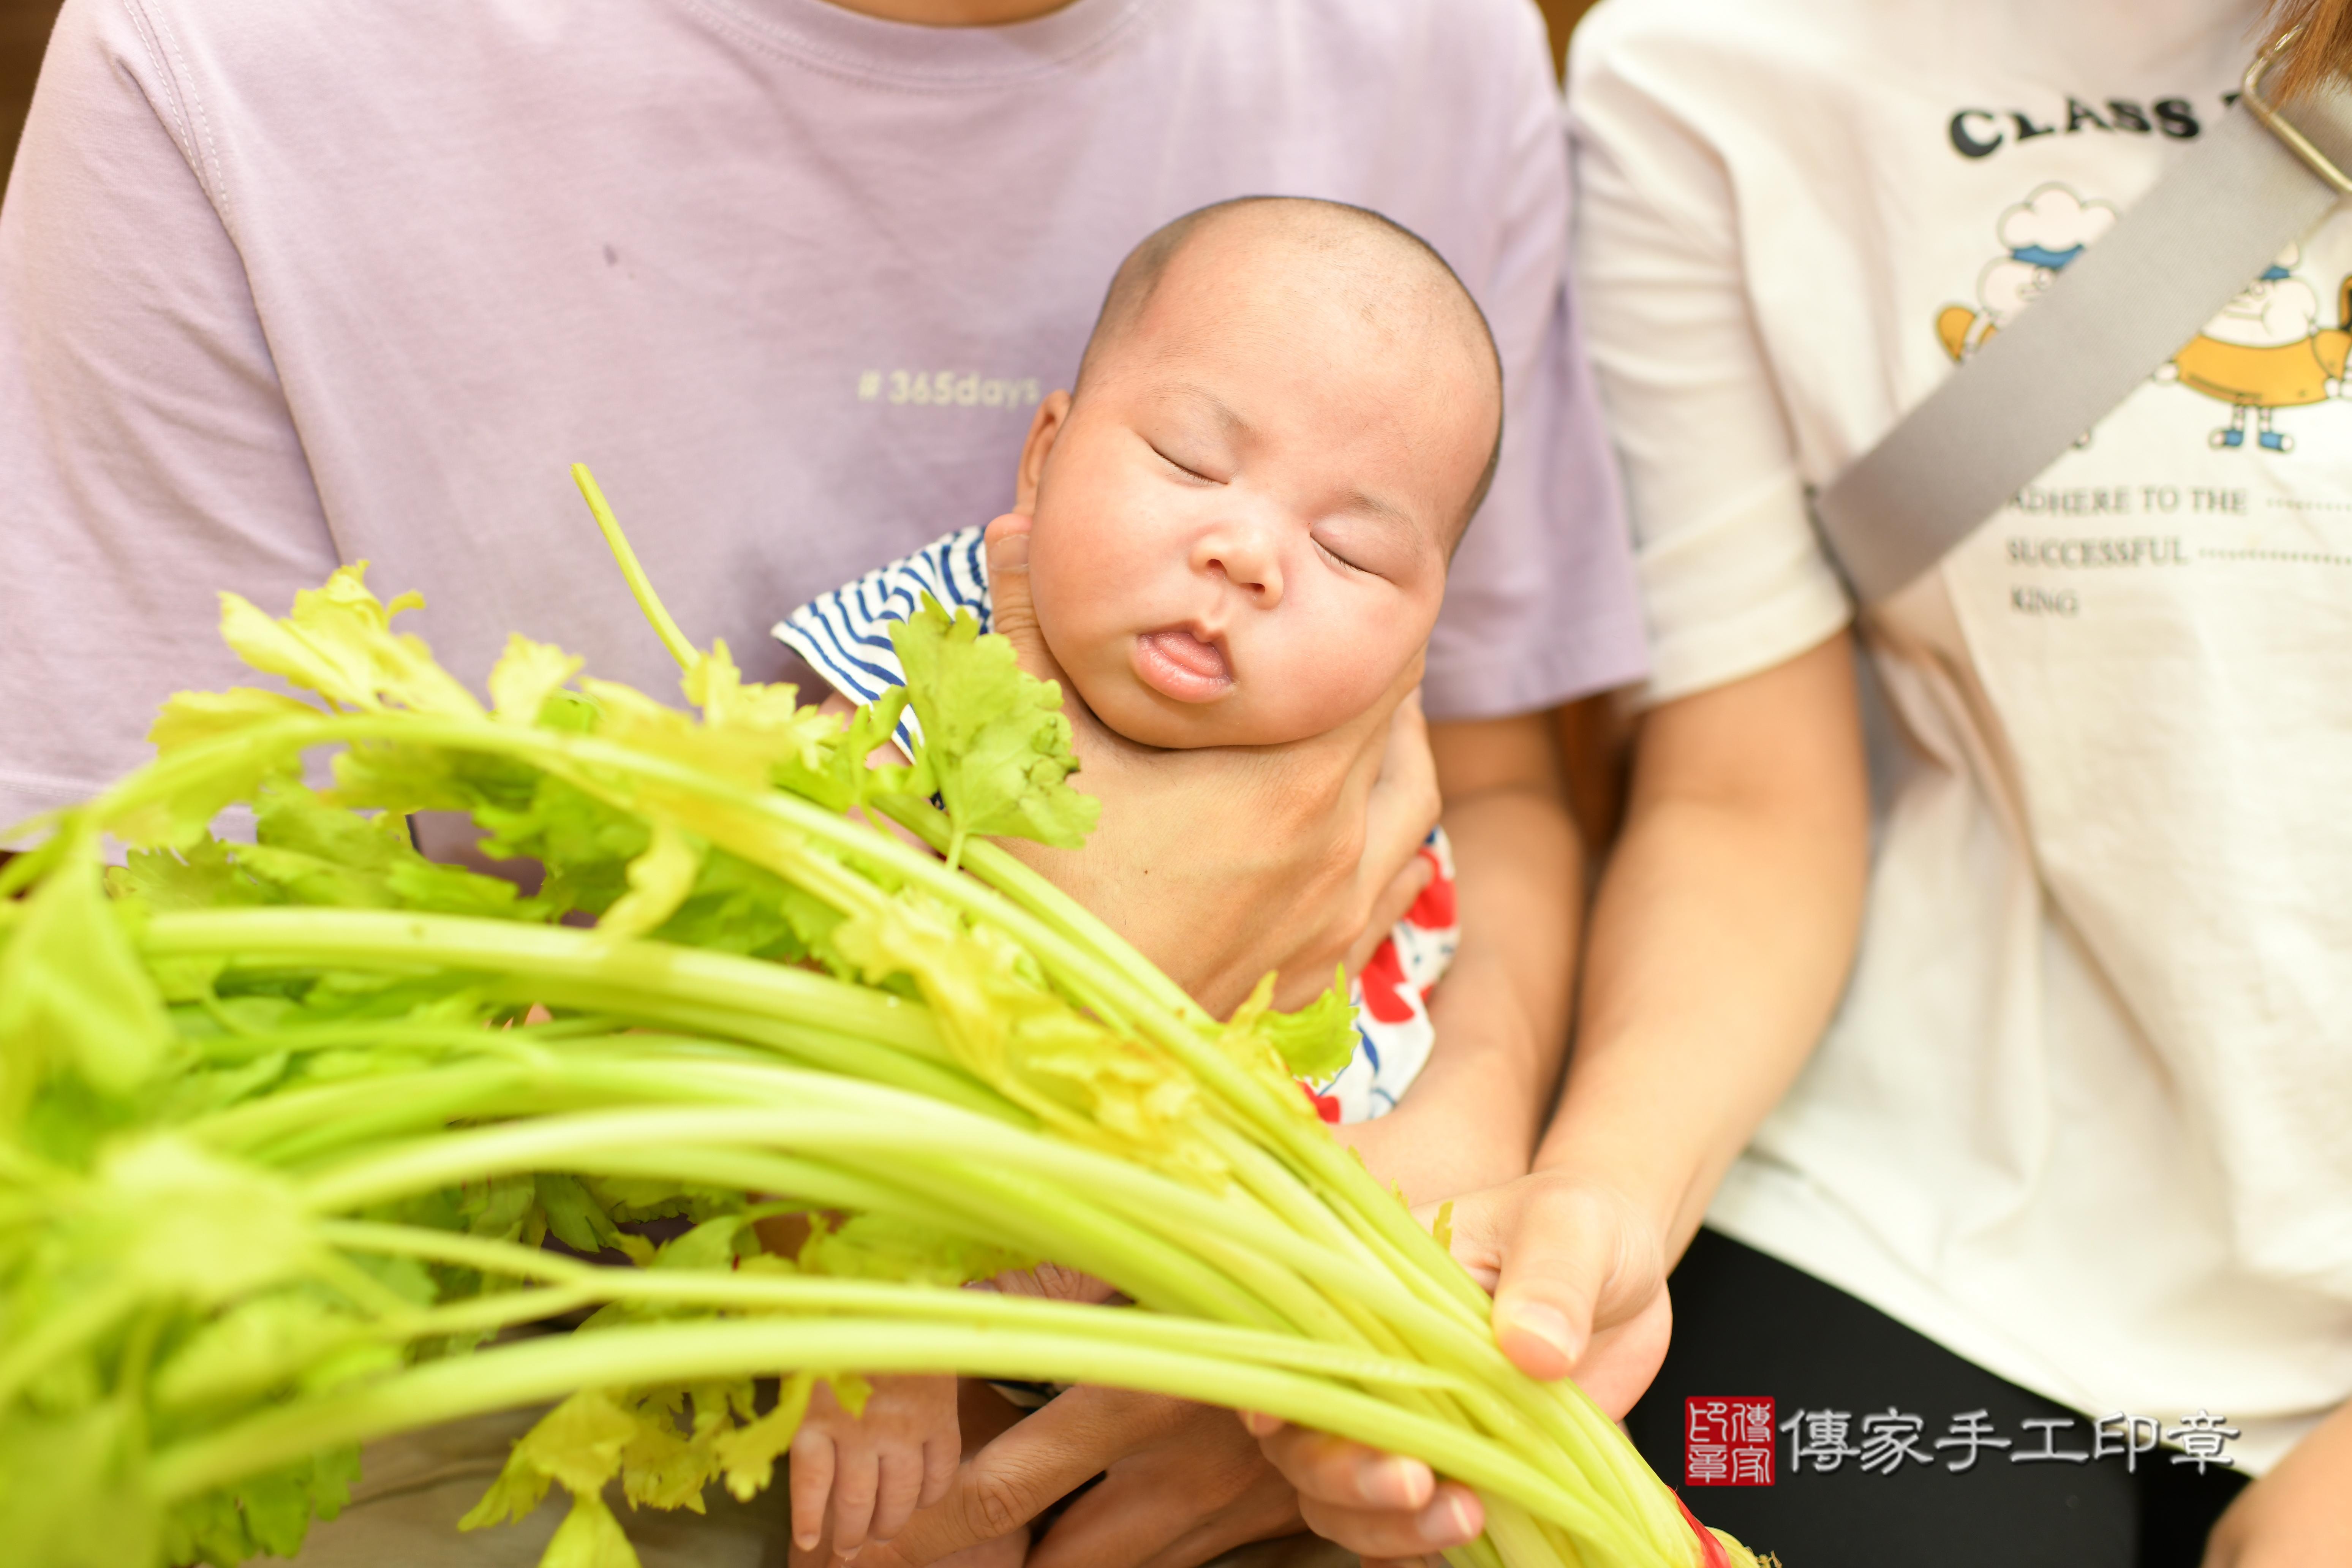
(877, 1468)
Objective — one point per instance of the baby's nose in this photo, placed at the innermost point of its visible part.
(1246, 558)
(1256, 574)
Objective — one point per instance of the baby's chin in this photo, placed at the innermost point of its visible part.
(1127, 708)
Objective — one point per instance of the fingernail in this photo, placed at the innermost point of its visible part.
(1257, 1422)
(1548, 1324)
(1398, 1483)
(1457, 1515)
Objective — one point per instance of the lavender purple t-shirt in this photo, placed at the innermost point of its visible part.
(285, 285)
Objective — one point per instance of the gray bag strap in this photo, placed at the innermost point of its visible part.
(2264, 177)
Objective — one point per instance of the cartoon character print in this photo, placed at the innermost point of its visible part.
(2264, 351)
(2041, 235)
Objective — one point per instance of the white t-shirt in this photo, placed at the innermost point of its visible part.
(283, 286)
(2085, 1115)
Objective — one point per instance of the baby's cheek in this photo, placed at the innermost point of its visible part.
(1336, 693)
(1318, 682)
(1091, 654)
(1075, 585)
(1078, 552)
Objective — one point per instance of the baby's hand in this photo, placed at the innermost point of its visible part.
(878, 1467)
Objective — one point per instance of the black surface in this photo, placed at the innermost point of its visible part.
(1748, 1325)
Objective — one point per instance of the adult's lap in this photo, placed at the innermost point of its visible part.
(415, 1488)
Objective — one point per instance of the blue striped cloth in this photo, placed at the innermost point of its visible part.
(845, 634)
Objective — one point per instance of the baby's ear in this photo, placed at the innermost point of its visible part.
(1043, 431)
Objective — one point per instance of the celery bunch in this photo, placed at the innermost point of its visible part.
(279, 1149)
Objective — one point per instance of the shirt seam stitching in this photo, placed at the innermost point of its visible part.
(817, 58)
(189, 108)
(171, 112)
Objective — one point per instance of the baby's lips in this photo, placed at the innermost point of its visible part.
(1177, 664)
(1187, 649)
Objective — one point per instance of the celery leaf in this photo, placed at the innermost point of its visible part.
(577, 1445)
(589, 1537)
(749, 1453)
(73, 993)
(996, 745)
(339, 643)
(1313, 1043)
(526, 675)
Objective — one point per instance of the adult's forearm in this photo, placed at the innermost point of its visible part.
(2300, 1513)
(1725, 921)
(1501, 1014)
(1722, 935)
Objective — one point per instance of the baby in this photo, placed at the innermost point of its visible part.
(1239, 526)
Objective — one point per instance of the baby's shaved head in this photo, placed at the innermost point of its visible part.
(1390, 274)
(1241, 520)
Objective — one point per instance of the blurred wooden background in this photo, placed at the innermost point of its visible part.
(24, 27)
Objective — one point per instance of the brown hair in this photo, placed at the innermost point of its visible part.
(2322, 51)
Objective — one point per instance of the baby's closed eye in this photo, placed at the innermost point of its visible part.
(1194, 466)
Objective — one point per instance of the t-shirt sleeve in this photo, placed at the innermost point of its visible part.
(147, 457)
(1732, 575)
(1540, 603)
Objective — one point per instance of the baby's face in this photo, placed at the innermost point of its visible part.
(1241, 529)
